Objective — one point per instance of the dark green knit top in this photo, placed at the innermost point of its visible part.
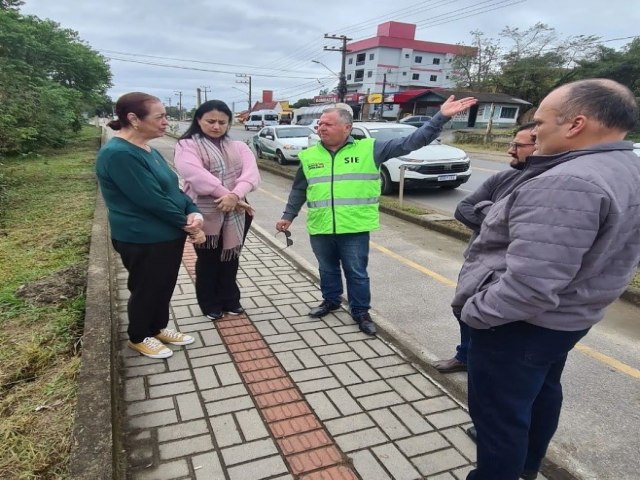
(142, 194)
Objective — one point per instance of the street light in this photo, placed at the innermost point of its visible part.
(320, 63)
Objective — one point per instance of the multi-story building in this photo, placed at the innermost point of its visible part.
(394, 61)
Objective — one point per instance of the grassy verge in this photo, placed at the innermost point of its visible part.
(44, 241)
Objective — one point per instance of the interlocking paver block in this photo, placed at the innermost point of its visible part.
(242, 338)
(361, 439)
(345, 374)
(380, 400)
(230, 322)
(148, 406)
(251, 355)
(175, 469)
(225, 430)
(289, 410)
(278, 398)
(251, 425)
(289, 361)
(411, 418)
(435, 404)
(260, 364)
(397, 464)
(448, 419)
(440, 461)
(207, 466)
(318, 385)
(231, 331)
(389, 423)
(189, 406)
(205, 378)
(262, 375)
(344, 401)
(425, 386)
(153, 419)
(367, 466)
(349, 424)
(310, 374)
(229, 405)
(175, 388)
(182, 430)
(216, 394)
(337, 472)
(314, 459)
(182, 447)
(345, 357)
(405, 389)
(322, 406)
(245, 346)
(227, 374)
(294, 426)
(304, 441)
(460, 440)
(249, 451)
(425, 443)
(268, 386)
(263, 468)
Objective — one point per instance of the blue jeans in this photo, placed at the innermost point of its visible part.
(463, 347)
(351, 250)
(515, 395)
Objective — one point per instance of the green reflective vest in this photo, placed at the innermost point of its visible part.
(343, 192)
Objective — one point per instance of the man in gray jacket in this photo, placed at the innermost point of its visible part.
(471, 211)
(550, 257)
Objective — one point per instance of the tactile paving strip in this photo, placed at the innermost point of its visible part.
(304, 443)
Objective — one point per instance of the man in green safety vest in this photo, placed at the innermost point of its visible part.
(339, 179)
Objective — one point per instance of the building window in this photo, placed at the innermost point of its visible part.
(449, 60)
(415, 76)
(433, 78)
(480, 113)
(508, 112)
(360, 58)
(359, 75)
(369, 74)
(436, 61)
(349, 77)
(448, 77)
(418, 59)
(406, 55)
(404, 74)
(351, 61)
(371, 56)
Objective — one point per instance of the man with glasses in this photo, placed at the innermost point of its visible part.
(551, 256)
(339, 179)
(471, 211)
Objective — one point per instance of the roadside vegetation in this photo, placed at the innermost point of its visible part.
(45, 227)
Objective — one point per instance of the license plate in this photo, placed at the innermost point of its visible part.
(446, 178)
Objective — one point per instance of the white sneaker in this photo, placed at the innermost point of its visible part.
(172, 337)
(152, 348)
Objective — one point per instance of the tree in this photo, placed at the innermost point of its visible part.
(48, 78)
(11, 5)
(302, 102)
(477, 65)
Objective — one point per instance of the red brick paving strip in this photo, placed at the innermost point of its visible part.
(305, 444)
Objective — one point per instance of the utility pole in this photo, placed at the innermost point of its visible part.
(342, 82)
(179, 93)
(205, 90)
(384, 87)
(198, 97)
(247, 80)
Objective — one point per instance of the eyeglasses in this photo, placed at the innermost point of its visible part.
(287, 235)
(516, 145)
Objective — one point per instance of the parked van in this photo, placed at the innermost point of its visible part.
(261, 118)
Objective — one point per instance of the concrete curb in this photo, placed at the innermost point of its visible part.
(92, 448)
(631, 295)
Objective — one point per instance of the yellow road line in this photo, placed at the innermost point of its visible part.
(485, 169)
(612, 362)
(601, 357)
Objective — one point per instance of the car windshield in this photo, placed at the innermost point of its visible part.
(270, 117)
(384, 134)
(294, 132)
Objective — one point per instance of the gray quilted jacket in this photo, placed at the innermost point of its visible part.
(561, 246)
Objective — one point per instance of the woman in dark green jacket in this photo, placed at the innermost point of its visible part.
(150, 218)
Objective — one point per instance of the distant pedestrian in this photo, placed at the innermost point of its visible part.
(339, 179)
(218, 174)
(472, 211)
(549, 259)
(149, 216)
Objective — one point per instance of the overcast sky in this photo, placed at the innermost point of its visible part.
(210, 41)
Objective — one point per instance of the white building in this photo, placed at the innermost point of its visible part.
(395, 61)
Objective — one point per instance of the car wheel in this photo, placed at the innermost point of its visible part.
(281, 159)
(386, 185)
(451, 186)
(258, 152)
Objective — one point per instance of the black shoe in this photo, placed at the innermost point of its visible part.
(235, 311)
(322, 309)
(473, 433)
(365, 323)
(449, 366)
(215, 315)
(529, 475)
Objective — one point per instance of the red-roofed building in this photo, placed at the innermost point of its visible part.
(394, 61)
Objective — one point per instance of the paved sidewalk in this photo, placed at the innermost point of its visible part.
(278, 395)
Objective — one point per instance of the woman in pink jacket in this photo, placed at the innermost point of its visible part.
(218, 173)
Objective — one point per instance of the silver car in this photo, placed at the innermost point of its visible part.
(282, 142)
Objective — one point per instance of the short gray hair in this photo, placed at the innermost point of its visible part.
(344, 115)
(607, 101)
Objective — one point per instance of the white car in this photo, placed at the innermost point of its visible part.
(636, 149)
(436, 165)
(282, 142)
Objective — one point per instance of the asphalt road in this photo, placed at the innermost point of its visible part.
(413, 273)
